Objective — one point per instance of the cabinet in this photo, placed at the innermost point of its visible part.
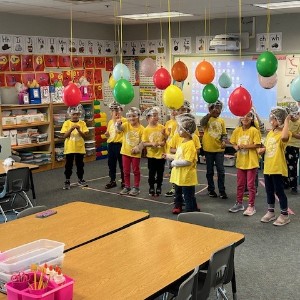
(36, 136)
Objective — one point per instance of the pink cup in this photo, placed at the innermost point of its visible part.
(20, 285)
(38, 292)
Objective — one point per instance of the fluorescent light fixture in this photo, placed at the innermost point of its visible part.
(161, 15)
(279, 5)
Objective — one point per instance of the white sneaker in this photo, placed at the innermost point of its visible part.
(134, 192)
(268, 217)
(282, 220)
(250, 211)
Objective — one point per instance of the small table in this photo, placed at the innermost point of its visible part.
(139, 261)
(75, 224)
(17, 165)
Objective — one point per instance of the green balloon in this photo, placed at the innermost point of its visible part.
(123, 91)
(267, 64)
(210, 93)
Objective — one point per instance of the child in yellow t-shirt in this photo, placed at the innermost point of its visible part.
(74, 130)
(214, 143)
(275, 167)
(246, 139)
(131, 149)
(184, 163)
(154, 140)
(114, 144)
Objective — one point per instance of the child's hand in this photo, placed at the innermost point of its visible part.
(135, 150)
(223, 144)
(119, 122)
(164, 155)
(261, 150)
(106, 134)
(236, 147)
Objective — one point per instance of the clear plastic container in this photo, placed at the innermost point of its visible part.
(37, 252)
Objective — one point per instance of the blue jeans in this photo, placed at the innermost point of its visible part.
(188, 193)
(275, 185)
(215, 158)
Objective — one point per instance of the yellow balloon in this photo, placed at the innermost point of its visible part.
(173, 97)
(111, 82)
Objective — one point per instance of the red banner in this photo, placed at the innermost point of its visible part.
(89, 62)
(51, 61)
(100, 62)
(42, 78)
(27, 63)
(77, 62)
(64, 61)
(15, 62)
(38, 63)
(98, 91)
(4, 63)
(109, 63)
(12, 79)
(97, 76)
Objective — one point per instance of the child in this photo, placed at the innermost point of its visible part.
(275, 165)
(184, 171)
(74, 130)
(214, 143)
(114, 144)
(245, 139)
(154, 140)
(292, 150)
(131, 149)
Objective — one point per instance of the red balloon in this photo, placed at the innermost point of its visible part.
(72, 95)
(179, 71)
(240, 102)
(205, 72)
(162, 78)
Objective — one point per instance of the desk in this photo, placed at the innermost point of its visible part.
(4, 169)
(139, 261)
(74, 224)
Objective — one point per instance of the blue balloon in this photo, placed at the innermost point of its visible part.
(295, 89)
(121, 71)
(225, 80)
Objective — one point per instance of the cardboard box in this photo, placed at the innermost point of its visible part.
(23, 119)
(37, 118)
(9, 121)
(34, 95)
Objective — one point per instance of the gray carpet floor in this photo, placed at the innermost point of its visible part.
(267, 263)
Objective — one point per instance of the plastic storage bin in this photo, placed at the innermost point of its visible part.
(54, 291)
(38, 252)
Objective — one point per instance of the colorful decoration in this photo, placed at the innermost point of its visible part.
(267, 64)
(225, 80)
(179, 71)
(240, 102)
(121, 71)
(295, 89)
(205, 72)
(162, 78)
(267, 82)
(173, 97)
(123, 91)
(210, 93)
(72, 95)
(148, 67)
(112, 82)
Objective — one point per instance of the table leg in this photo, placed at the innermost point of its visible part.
(233, 284)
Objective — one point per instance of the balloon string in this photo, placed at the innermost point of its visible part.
(240, 26)
(121, 34)
(161, 31)
(205, 30)
(71, 48)
(268, 24)
(170, 51)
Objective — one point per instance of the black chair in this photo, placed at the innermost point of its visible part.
(16, 183)
(31, 210)
(197, 218)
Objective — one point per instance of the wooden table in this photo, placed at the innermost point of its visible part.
(74, 224)
(139, 261)
(17, 165)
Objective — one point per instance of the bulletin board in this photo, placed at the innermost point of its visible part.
(242, 70)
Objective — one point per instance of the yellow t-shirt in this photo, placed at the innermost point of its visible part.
(294, 127)
(171, 127)
(185, 176)
(247, 159)
(132, 136)
(114, 135)
(75, 142)
(152, 135)
(176, 140)
(213, 132)
(274, 161)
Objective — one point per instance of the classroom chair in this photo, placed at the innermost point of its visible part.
(16, 183)
(197, 218)
(31, 210)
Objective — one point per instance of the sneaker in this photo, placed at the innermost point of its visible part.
(151, 192)
(236, 207)
(134, 192)
(158, 191)
(170, 193)
(223, 195)
(125, 191)
(282, 220)
(212, 194)
(82, 182)
(111, 185)
(268, 217)
(250, 211)
(294, 191)
(67, 185)
(176, 210)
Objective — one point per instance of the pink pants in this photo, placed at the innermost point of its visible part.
(135, 162)
(242, 177)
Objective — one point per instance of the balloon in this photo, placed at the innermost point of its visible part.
(121, 71)
(179, 71)
(173, 97)
(267, 82)
(123, 91)
(240, 102)
(72, 95)
(225, 80)
(295, 89)
(267, 64)
(162, 78)
(205, 72)
(210, 93)
(111, 82)
(148, 67)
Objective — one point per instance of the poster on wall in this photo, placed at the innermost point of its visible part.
(82, 46)
(27, 63)
(6, 43)
(38, 63)
(201, 42)
(30, 44)
(175, 46)
(15, 63)
(41, 43)
(4, 62)
(77, 62)
(271, 41)
(18, 44)
(62, 45)
(51, 45)
(186, 45)
(72, 46)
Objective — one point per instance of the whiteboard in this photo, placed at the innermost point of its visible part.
(242, 70)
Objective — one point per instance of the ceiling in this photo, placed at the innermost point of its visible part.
(104, 11)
